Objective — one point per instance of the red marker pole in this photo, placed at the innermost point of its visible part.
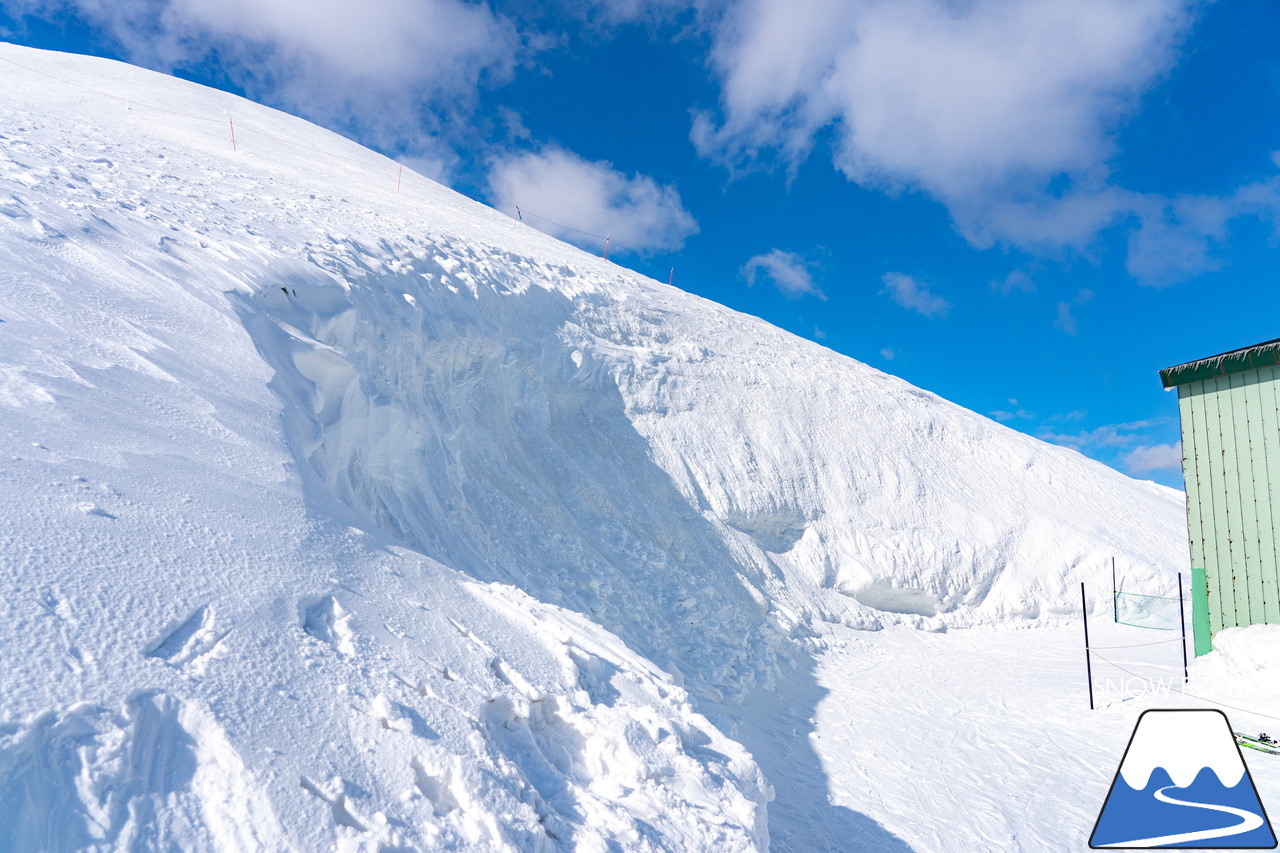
(606, 247)
(671, 277)
(233, 133)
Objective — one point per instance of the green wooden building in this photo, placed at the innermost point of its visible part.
(1230, 410)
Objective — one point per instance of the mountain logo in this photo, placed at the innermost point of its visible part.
(1183, 783)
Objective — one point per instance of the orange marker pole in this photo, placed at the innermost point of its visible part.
(233, 133)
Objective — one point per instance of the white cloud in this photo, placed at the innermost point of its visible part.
(614, 12)
(1155, 458)
(1016, 280)
(574, 199)
(1106, 436)
(1066, 321)
(960, 98)
(1131, 447)
(434, 166)
(395, 71)
(442, 42)
(1004, 416)
(909, 293)
(980, 103)
(788, 272)
(888, 354)
(1182, 238)
(1004, 110)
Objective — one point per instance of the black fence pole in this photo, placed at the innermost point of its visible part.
(1088, 664)
(1183, 616)
(1115, 594)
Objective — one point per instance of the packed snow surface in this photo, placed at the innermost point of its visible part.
(341, 511)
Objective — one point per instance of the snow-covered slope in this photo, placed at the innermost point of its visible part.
(338, 508)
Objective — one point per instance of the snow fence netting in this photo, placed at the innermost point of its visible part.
(1148, 611)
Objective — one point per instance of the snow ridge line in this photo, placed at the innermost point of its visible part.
(106, 94)
(243, 127)
(519, 211)
(250, 129)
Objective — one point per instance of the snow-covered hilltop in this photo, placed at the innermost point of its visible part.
(333, 512)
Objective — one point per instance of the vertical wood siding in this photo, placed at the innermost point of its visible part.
(1231, 466)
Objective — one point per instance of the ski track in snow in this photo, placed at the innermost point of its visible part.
(338, 517)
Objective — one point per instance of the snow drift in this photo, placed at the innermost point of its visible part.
(368, 517)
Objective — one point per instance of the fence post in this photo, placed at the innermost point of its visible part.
(1183, 616)
(1088, 664)
(233, 133)
(1115, 594)
(399, 175)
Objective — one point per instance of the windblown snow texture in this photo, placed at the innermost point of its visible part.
(337, 515)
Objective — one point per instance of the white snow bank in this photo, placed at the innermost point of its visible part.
(1243, 674)
(194, 657)
(266, 422)
(159, 774)
(1250, 654)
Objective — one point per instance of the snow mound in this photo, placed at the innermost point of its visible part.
(419, 529)
(158, 774)
(1251, 653)
(1244, 670)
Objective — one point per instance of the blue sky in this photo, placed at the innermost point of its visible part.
(1026, 206)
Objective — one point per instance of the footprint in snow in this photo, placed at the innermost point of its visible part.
(188, 641)
(324, 618)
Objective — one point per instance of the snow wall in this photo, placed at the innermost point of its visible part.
(422, 529)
